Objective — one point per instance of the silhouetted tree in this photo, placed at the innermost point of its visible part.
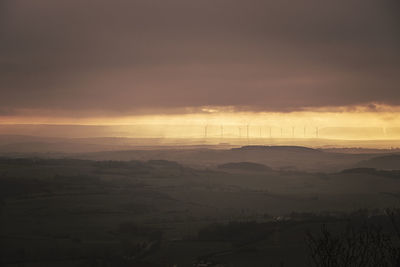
(363, 246)
(1, 231)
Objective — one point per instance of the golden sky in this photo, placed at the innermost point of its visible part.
(355, 122)
(181, 68)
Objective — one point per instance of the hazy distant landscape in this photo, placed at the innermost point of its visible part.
(199, 133)
(187, 206)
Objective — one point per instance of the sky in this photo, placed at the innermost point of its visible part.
(102, 62)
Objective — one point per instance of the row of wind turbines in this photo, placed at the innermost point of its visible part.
(241, 133)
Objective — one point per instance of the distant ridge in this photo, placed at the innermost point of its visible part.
(371, 171)
(387, 162)
(278, 148)
(244, 166)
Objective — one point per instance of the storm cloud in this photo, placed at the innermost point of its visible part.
(124, 56)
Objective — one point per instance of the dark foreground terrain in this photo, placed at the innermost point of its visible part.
(86, 212)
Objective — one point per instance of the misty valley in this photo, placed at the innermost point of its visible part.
(244, 206)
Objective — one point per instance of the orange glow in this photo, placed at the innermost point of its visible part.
(360, 122)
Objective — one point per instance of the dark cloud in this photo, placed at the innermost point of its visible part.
(121, 56)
